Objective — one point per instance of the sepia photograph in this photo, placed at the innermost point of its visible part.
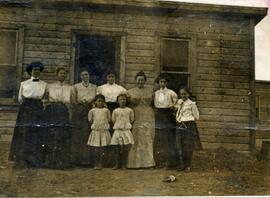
(109, 98)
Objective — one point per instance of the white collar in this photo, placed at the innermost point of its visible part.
(165, 89)
(32, 78)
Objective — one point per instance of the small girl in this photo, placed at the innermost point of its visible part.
(187, 137)
(100, 137)
(122, 118)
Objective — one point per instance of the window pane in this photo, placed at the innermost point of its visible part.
(175, 55)
(8, 47)
(7, 82)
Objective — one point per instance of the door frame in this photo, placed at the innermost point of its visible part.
(92, 32)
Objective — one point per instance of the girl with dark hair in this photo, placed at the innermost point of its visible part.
(141, 152)
(60, 97)
(122, 138)
(99, 138)
(187, 136)
(27, 146)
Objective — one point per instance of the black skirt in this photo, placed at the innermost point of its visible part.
(58, 136)
(81, 152)
(164, 137)
(28, 142)
(187, 137)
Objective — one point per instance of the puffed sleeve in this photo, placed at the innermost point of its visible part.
(90, 116)
(132, 117)
(195, 111)
(20, 96)
(174, 97)
(113, 116)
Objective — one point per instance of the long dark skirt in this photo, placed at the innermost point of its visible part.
(187, 140)
(58, 136)
(164, 152)
(27, 146)
(81, 152)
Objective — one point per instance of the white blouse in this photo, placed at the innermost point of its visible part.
(32, 89)
(186, 111)
(110, 91)
(165, 98)
(61, 92)
(85, 94)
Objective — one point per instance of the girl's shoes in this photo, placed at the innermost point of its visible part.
(116, 167)
(98, 167)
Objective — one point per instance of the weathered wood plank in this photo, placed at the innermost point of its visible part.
(47, 48)
(223, 111)
(222, 91)
(228, 78)
(223, 104)
(50, 41)
(239, 147)
(209, 97)
(224, 71)
(224, 139)
(48, 55)
(142, 53)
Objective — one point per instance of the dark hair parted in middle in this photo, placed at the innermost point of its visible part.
(58, 69)
(141, 73)
(99, 96)
(124, 95)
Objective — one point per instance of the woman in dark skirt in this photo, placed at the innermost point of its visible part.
(187, 135)
(60, 97)
(85, 93)
(27, 146)
(164, 101)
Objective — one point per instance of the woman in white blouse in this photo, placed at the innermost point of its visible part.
(85, 93)
(28, 141)
(60, 96)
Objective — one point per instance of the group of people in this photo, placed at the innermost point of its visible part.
(60, 125)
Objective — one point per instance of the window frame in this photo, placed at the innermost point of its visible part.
(192, 59)
(19, 29)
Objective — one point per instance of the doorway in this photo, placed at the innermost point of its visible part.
(98, 54)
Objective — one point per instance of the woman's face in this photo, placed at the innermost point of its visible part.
(183, 94)
(35, 72)
(111, 79)
(61, 75)
(162, 83)
(85, 76)
(140, 80)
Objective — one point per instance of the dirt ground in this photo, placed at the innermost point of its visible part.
(220, 172)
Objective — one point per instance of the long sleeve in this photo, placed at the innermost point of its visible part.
(132, 117)
(20, 97)
(174, 98)
(195, 111)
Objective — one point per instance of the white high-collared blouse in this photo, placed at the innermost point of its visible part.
(165, 98)
(85, 93)
(32, 89)
(61, 92)
(110, 91)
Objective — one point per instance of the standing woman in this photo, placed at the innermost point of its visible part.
(164, 101)
(27, 143)
(143, 130)
(85, 93)
(60, 96)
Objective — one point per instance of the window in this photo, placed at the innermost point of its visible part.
(10, 62)
(176, 61)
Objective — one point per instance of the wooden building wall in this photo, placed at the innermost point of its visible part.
(262, 112)
(223, 55)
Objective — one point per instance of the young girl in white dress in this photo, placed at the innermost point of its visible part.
(99, 138)
(122, 117)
